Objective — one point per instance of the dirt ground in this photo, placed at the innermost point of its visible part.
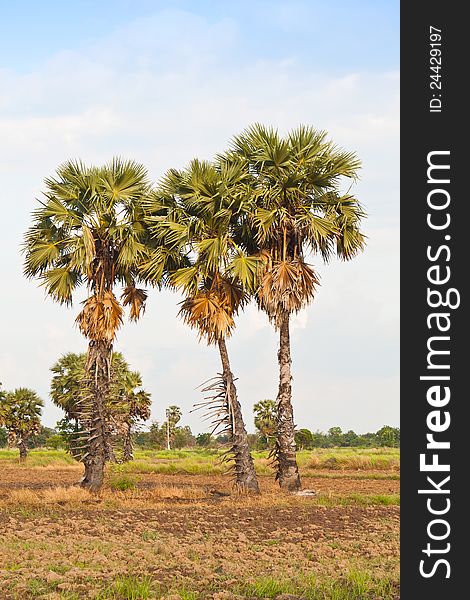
(40, 478)
(190, 534)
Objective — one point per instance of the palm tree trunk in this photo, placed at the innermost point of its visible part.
(128, 451)
(244, 468)
(23, 450)
(97, 370)
(110, 456)
(288, 472)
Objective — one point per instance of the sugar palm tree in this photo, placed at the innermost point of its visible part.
(192, 216)
(127, 403)
(298, 211)
(88, 230)
(173, 417)
(135, 406)
(68, 374)
(20, 414)
(266, 419)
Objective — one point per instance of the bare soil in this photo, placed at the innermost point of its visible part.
(208, 542)
(43, 477)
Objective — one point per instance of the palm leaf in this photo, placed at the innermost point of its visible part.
(135, 298)
(100, 317)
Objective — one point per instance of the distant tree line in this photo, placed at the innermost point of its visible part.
(129, 406)
(156, 438)
(266, 419)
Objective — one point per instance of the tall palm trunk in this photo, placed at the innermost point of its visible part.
(97, 370)
(128, 450)
(23, 450)
(245, 471)
(288, 472)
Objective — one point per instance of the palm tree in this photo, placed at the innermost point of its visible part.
(192, 217)
(266, 419)
(89, 230)
(20, 414)
(68, 373)
(126, 403)
(135, 405)
(173, 417)
(298, 211)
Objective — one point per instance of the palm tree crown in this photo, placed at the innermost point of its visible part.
(297, 210)
(20, 414)
(89, 230)
(194, 216)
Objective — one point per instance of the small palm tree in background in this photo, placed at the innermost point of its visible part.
(134, 404)
(298, 211)
(192, 217)
(68, 374)
(127, 403)
(173, 417)
(89, 230)
(265, 412)
(20, 414)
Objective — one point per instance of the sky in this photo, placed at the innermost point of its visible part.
(163, 82)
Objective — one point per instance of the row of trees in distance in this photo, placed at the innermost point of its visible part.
(20, 414)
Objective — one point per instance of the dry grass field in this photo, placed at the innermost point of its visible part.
(168, 525)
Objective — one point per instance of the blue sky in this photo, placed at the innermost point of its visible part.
(162, 82)
(337, 35)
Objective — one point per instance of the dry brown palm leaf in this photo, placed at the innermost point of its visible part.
(135, 298)
(287, 286)
(210, 314)
(219, 411)
(231, 295)
(100, 317)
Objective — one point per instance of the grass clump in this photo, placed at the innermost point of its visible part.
(127, 587)
(40, 587)
(357, 462)
(357, 585)
(269, 587)
(358, 500)
(123, 483)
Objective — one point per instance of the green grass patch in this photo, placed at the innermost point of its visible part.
(127, 587)
(36, 458)
(123, 483)
(201, 461)
(354, 476)
(40, 587)
(311, 462)
(150, 535)
(358, 500)
(357, 585)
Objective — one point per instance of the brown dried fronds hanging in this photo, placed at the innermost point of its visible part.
(219, 412)
(135, 298)
(286, 286)
(100, 317)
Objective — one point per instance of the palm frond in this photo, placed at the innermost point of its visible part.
(286, 287)
(135, 298)
(100, 317)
